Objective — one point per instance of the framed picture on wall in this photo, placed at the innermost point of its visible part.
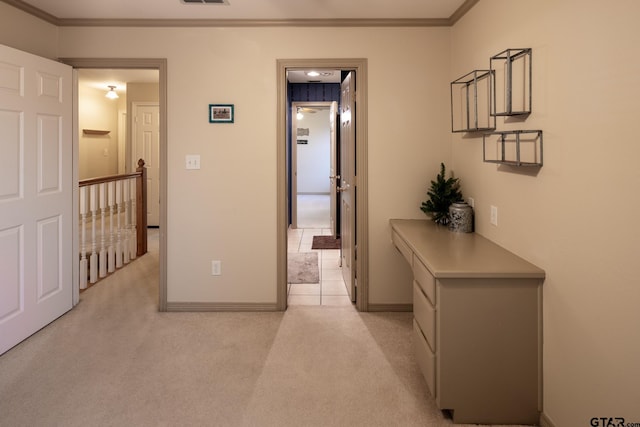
(220, 113)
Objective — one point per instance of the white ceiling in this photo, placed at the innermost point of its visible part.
(247, 9)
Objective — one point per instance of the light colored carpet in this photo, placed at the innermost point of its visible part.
(115, 360)
(302, 267)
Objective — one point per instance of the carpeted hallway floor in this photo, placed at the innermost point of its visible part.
(115, 360)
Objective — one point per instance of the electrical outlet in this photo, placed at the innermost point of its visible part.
(216, 268)
(494, 215)
(471, 202)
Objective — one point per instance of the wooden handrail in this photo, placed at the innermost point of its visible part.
(109, 178)
(141, 208)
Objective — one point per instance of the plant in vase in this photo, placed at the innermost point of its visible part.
(443, 192)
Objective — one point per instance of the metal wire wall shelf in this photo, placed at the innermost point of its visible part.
(513, 148)
(504, 90)
(511, 72)
(471, 102)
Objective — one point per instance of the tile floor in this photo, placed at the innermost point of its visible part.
(313, 213)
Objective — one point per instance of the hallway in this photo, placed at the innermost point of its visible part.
(313, 220)
(114, 360)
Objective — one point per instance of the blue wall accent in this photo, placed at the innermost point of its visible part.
(303, 92)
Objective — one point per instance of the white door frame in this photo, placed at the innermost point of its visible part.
(362, 201)
(122, 141)
(159, 64)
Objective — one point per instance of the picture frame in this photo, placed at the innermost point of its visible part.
(221, 113)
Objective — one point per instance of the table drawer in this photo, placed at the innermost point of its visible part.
(426, 359)
(425, 279)
(402, 247)
(425, 314)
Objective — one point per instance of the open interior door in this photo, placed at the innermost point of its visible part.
(348, 182)
(333, 168)
(36, 194)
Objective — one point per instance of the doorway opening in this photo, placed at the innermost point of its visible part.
(126, 162)
(355, 67)
(312, 155)
(312, 230)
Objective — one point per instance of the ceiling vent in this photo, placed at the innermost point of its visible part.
(205, 2)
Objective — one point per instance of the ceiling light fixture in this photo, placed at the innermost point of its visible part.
(112, 94)
(299, 114)
(319, 73)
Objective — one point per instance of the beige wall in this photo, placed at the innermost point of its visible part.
(227, 210)
(25, 32)
(142, 92)
(578, 217)
(97, 154)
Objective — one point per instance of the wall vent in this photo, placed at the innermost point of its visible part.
(205, 2)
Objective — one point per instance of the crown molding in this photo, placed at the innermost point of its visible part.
(253, 22)
(38, 13)
(462, 10)
(62, 22)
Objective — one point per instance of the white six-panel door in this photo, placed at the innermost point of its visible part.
(36, 194)
(146, 145)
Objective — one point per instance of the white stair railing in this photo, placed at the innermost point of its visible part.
(113, 227)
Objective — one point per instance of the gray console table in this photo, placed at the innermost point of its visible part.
(477, 323)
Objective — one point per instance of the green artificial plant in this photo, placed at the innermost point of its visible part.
(443, 192)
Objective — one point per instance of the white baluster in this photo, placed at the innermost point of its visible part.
(134, 213)
(111, 252)
(83, 238)
(119, 227)
(93, 259)
(127, 231)
(103, 236)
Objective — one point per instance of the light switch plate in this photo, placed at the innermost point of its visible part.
(216, 267)
(193, 161)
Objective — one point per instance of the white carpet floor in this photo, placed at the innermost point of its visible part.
(114, 360)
